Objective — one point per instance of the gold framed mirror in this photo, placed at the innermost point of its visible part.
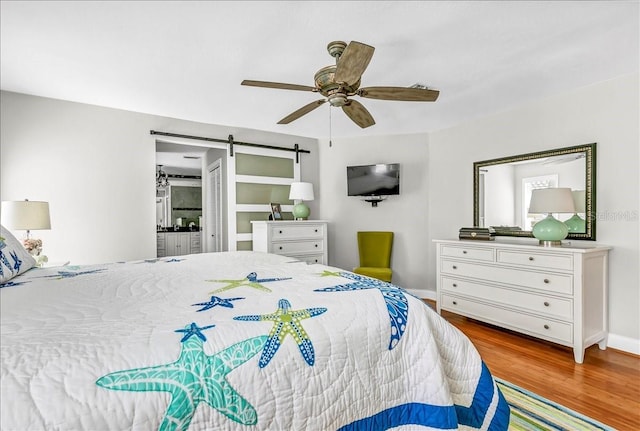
(502, 189)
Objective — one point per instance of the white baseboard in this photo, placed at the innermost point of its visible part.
(618, 342)
(423, 293)
(626, 344)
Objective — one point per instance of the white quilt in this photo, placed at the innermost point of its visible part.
(232, 341)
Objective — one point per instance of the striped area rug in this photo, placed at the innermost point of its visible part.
(531, 412)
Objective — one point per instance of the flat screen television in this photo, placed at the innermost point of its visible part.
(373, 180)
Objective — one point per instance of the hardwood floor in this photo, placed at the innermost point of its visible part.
(606, 387)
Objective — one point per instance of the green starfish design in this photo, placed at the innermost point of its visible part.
(193, 378)
(286, 322)
(250, 280)
(326, 273)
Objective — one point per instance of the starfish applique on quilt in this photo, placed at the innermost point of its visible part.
(193, 329)
(394, 298)
(70, 274)
(215, 301)
(194, 378)
(286, 322)
(12, 283)
(250, 280)
(326, 273)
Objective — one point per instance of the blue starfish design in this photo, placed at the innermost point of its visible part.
(195, 377)
(12, 283)
(286, 322)
(215, 300)
(250, 280)
(17, 262)
(394, 297)
(69, 274)
(193, 329)
(174, 260)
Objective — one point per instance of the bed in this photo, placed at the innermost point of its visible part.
(230, 341)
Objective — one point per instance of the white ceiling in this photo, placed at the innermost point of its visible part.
(186, 59)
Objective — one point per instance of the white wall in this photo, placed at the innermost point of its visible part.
(606, 113)
(405, 215)
(96, 167)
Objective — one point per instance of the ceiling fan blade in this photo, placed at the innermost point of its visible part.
(358, 114)
(399, 93)
(279, 85)
(353, 62)
(302, 111)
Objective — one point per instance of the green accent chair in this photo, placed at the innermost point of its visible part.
(375, 255)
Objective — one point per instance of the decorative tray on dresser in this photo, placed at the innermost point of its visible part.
(558, 294)
(303, 239)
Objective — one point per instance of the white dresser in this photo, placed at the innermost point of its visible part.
(303, 239)
(555, 293)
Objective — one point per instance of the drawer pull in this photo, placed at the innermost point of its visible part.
(531, 258)
(455, 303)
(455, 267)
(546, 326)
(316, 245)
(455, 284)
(546, 281)
(464, 251)
(546, 304)
(280, 247)
(315, 230)
(279, 231)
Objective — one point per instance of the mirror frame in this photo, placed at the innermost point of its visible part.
(590, 187)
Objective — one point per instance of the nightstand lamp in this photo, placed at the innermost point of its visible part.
(27, 215)
(576, 223)
(299, 193)
(550, 231)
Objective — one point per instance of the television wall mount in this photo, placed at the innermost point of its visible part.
(374, 200)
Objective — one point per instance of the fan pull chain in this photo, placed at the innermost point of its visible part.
(330, 143)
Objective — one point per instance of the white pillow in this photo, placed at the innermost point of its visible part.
(14, 258)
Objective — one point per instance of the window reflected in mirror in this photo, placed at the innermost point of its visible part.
(503, 189)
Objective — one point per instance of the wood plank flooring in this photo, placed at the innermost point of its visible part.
(606, 387)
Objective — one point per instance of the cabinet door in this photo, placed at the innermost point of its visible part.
(177, 244)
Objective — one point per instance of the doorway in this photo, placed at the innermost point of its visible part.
(213, 212)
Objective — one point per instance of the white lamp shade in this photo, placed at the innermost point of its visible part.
(579, 200)
(551, 200)
(301, 191)
(25, 215)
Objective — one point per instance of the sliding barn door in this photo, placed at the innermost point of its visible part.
(257, 177)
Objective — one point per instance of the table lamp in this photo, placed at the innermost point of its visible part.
(300, 192)
(576, 223)
(550, 231)
(27, 215)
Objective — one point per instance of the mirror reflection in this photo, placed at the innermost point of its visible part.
(503, 189)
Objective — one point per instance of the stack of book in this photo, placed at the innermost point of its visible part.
(479, 233)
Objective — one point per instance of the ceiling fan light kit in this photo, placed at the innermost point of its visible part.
(339, 82)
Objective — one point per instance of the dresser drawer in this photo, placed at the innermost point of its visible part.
(559, 308)
(291, 231)
(536, 260)
(312, 258)
(538, 326)
(484, 254)
(549, 282)
(292, 247)
(160, 240)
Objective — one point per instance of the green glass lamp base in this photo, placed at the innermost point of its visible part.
(550, 232)
(300, 211)
(576, 224)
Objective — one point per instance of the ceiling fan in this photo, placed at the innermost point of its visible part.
(337, 83)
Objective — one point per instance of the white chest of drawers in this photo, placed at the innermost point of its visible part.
(303, 239)
(555, 293)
